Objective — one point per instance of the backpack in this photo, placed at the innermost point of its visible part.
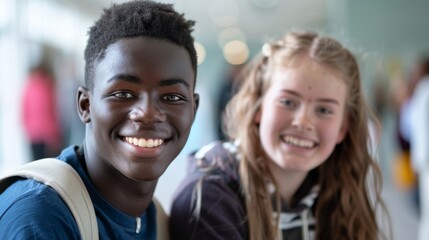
(67, 183)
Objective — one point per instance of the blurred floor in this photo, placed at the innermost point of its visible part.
(403, 215)
(398, 201)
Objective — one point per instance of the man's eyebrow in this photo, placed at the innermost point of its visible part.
(125, 77)
(173, 81)
(134, 79)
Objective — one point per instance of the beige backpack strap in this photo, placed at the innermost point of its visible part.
(67, 183)
(161, 221)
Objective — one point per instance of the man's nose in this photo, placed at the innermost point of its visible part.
(148, 112)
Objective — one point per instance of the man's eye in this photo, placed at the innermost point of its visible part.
(172, 98)
(122, 95)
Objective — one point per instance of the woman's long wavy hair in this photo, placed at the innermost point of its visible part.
(346, 204)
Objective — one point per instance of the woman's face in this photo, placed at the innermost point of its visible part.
(302, 116)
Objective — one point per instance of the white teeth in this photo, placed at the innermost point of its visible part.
(298, 142)
(150, 143)
(142, 142)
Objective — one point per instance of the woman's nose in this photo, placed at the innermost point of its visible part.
(303, 119)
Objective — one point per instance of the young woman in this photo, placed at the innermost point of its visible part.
(299, 158)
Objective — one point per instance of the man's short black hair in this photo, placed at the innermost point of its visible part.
(133, 19)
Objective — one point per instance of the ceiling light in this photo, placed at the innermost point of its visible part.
(236, 52)
(201, 52)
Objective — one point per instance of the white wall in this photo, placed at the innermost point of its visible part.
(12, 148)
(24, 25)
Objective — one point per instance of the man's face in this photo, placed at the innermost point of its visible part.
(141, 108)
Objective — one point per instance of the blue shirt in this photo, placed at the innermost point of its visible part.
(31, 210)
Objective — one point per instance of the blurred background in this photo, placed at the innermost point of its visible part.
(49, 36)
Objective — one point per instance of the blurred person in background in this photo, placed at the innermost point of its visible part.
(73, 131)
(40, 115)
(419, 139)
(404, 175)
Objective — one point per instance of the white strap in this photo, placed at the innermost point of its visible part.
(66, 182)
(161, 221)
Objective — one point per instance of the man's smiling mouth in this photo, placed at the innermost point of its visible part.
(298, 142)
(144, 142)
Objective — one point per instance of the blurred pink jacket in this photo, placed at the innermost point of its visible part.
(40, 112)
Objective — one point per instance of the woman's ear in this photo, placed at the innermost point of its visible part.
(343, 130)
(257, 118)
(83, 104)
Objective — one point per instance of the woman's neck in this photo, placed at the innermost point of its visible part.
(288, 182)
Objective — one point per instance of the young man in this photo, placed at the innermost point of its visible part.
(138, 105)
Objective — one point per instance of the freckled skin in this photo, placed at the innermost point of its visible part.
(156, 79)
(305, 101)
(300, 121)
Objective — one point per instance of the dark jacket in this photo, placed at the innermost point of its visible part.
(220, 211)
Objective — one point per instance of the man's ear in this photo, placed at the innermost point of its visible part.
(83, 103)
(196, 103)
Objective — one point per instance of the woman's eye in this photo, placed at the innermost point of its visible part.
(324, 111)
(122, 95)
(287, 102)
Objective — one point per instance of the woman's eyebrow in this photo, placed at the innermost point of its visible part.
(328, 100)
(324, 100)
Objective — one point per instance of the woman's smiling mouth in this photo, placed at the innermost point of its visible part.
(298, 142)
